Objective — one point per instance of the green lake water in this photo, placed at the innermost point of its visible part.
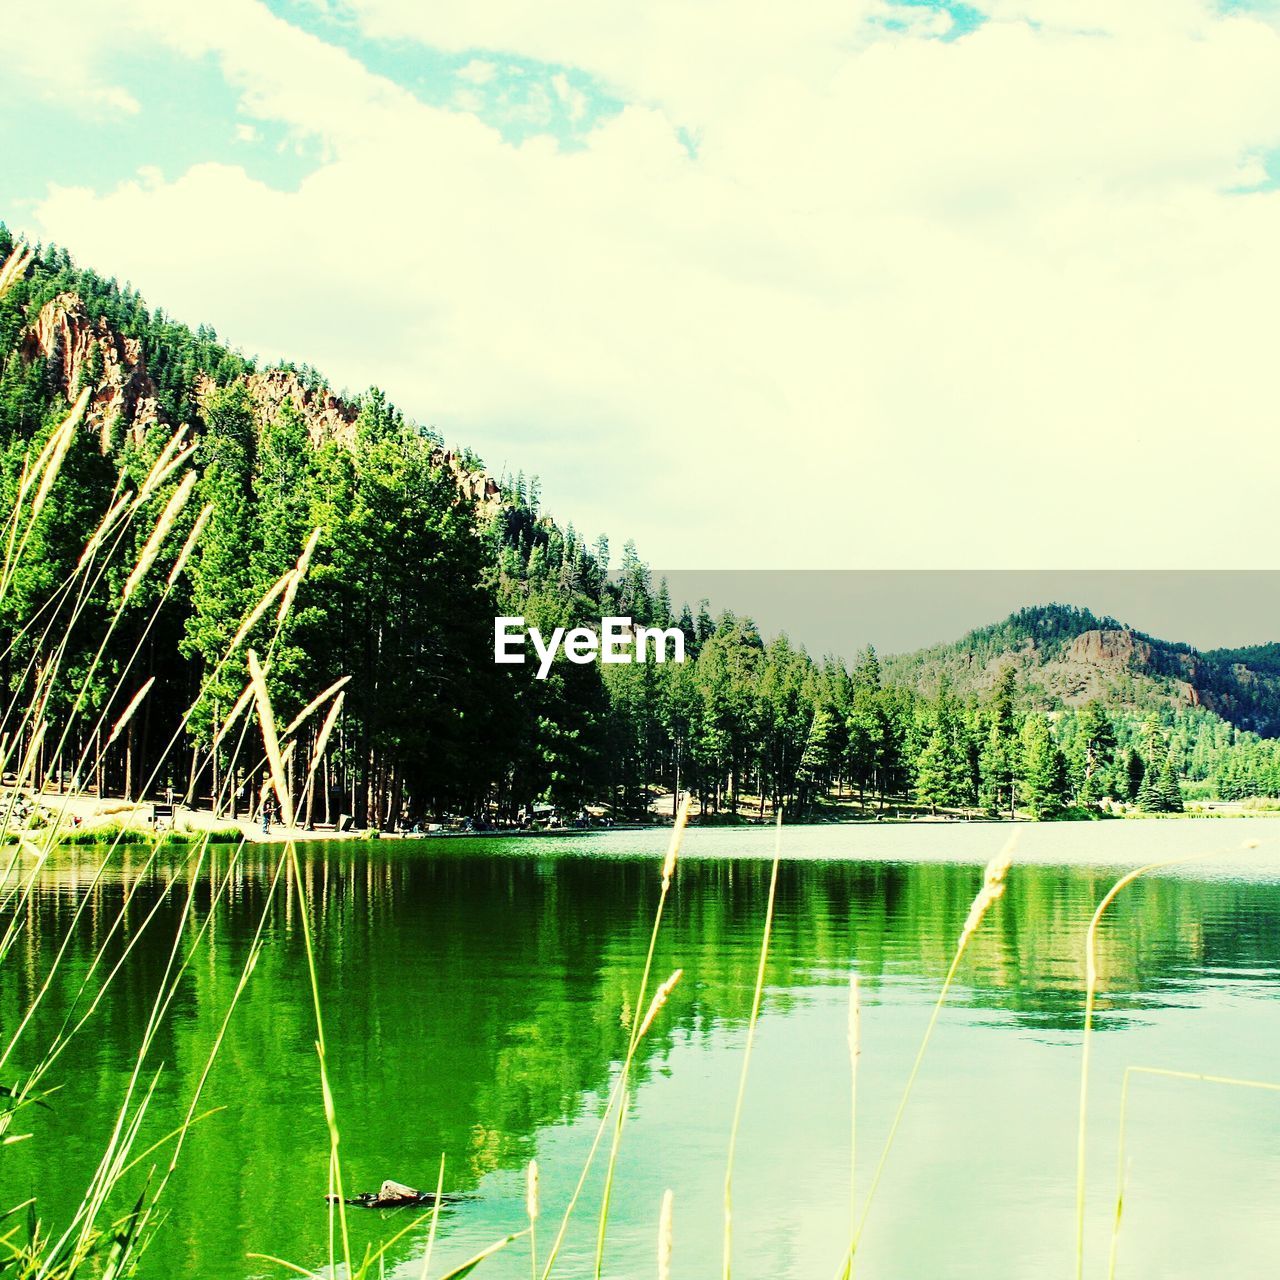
(478, 995)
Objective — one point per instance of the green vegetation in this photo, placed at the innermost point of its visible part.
(408, 564)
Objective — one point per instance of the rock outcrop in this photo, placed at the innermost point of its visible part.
(85, 350)
(1101, 656)
(327, 416)
(1111, 649)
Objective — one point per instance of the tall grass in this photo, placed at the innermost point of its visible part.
(1090, 1008)
(101, 1235)
(1166, 1073)
(756, 996)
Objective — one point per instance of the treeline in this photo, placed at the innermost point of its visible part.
(405, 577)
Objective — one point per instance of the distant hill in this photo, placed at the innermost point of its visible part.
(1066, 656)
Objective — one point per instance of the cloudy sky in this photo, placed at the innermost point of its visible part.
(844, 283)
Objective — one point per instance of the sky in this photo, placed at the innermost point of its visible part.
(847, 284)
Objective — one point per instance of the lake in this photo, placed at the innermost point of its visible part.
(478, 997)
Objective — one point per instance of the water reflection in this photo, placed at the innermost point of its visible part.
(479, 998)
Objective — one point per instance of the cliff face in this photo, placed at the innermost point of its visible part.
(84, 350)
(327, 417)
(1111, 649)
(1111, 653)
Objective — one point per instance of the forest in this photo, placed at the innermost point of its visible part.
(405, 574)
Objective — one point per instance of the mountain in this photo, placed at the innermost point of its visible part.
(1067, 656)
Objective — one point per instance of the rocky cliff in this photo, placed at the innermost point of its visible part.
(85, 350)
(82, 350)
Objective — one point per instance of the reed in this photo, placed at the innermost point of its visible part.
(96, 1235)
(1090, 1006)
(531, 1207)
(435, 1219)
(617, 1093)
(638, 1029)
(991, 890)
(855, 1052)
(756, 996)
(163, 527)
(665, 1235)
(1167, 1073)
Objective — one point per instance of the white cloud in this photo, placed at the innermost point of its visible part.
(61, 51)
(477, 71)
(573, 100)
(247, 133)
(469, 100)
(912, 302)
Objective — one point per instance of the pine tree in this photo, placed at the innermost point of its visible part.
(820, 756)
(1167, 792)
(1001, 752)
(1135, 772)
(1044, 784)
(1148, 798)
(934, 772)
(866, 671)
(1098, 741)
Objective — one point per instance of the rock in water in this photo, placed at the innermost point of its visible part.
(397, 1193)
(394, 1195)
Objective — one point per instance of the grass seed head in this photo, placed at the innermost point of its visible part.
(127, 714)
(160, 467)
(164, 526)
(669, 862)
(659, 999)
(993, 882)
(267, 721)
(206, 512)
(299, 573)
(259, 609)
(55, 452)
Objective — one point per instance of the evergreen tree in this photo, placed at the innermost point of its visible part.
(1001, 752)
(1135, 772)
(1098, 740)
(1168, 793)
(1043, 785)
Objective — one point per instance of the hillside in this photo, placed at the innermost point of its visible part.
(1066, 656)
(415, 548)
(74, 348)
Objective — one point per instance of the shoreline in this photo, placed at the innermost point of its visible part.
(110, 815)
